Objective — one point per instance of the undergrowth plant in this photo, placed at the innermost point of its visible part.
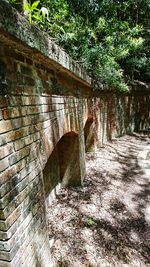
(35, 13)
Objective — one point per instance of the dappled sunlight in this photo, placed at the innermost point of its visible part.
(105, 222)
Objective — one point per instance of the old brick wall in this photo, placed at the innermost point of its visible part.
(47, 109)
(38, 105)
(117, 114)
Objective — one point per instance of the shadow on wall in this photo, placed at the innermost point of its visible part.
(89, 135)
(63, 165)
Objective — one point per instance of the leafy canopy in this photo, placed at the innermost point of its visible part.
(109, 37)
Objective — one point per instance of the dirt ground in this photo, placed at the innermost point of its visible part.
(106, 222)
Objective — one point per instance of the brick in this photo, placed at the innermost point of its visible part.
(33, 110)
(15, 100)
(6, 264)
(24, 152)
(3, 235)
(24, 239)
(5, 188)
(2, 225)
(5, 151)
(5, 225)
(26, 70)
(13, 112)
(32, 168)
(8, 256)
(31, 100)
(15, 203)
(8, 210)
(3, 102)
(27, 120)
(20, 133)
(28, 81)
(5, 126)
(4, 164)
(20, 79)
(46, 108)
(36, 136)
(14, 135)
(29, 61)
(19, 144)
(17, 123)
(7, 175)
(35, 118)
(24, 89)
(29, 139)
(33, 129)
(21, 122)
(15, 190)
(1, 115)
(15, 55)
(4, 201)
(21, 164)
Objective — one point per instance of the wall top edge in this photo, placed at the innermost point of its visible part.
(16, 26)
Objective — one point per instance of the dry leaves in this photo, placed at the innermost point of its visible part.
(105, 222)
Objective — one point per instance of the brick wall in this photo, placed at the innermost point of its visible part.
(38, 106)
(118, 114)
(45, 106)
(33, 118)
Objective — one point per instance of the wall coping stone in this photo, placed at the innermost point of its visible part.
(15, 26)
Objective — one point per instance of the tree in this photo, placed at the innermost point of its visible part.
(109, 37)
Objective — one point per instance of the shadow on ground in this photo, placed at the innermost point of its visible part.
(106, 222)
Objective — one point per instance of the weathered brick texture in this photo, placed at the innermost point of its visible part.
(47, 108)
(33, 119)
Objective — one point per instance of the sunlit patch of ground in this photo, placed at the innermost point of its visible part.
(106, 222)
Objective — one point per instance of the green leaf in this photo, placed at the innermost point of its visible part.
(91, 221)
(35, 4)
(27, 7)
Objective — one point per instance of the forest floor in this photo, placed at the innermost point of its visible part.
(106, 222)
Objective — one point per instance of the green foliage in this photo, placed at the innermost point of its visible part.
(91, 222)
(13, 2)
(110, 38)
(36, 14)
